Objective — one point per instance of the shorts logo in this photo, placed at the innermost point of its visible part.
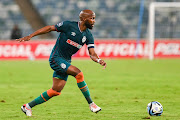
(63, 65)
(83, 39)
(74, 44)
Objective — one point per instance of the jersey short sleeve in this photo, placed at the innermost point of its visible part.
(90, 41)
(62, 26)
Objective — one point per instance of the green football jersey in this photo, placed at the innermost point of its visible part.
(70, 40)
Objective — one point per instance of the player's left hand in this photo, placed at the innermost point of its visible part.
(103, 63)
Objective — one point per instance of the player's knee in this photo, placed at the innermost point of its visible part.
(52, 93)
(79, 77)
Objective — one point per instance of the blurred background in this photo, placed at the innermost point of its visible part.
(115, 19)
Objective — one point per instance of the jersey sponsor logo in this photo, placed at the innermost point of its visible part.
(83, 39)
(73, 33)
(74, 44)
(63, 65)
(60, 24)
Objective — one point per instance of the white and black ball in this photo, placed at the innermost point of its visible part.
(155, 108)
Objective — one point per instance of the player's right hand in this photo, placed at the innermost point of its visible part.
(27, 38)
(103, 63)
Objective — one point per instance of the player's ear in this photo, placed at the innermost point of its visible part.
(83, 19)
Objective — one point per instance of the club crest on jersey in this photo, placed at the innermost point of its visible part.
(74, 44)
(60, 24)
(73, 33)
(83, 39)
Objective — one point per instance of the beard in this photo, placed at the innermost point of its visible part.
(88, 25)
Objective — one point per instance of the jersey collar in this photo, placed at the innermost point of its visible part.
(79, 28)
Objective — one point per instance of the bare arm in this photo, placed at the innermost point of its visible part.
(43, 30)
(95, 57)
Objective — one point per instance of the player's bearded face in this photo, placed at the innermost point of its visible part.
(88, 24)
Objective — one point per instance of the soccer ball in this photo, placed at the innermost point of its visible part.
(154, 108)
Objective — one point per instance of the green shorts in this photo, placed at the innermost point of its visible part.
(60, 66)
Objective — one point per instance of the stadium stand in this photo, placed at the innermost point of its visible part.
(115, 18)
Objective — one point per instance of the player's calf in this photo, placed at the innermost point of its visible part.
(83, 87)
(45, 96)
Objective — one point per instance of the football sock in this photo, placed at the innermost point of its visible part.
(45, 96)
(83, 87)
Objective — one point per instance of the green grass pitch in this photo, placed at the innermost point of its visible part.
(122, 90)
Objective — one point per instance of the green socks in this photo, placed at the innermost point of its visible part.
(42, 98)
(85, 90)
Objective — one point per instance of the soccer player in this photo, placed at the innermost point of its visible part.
(72, 36)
